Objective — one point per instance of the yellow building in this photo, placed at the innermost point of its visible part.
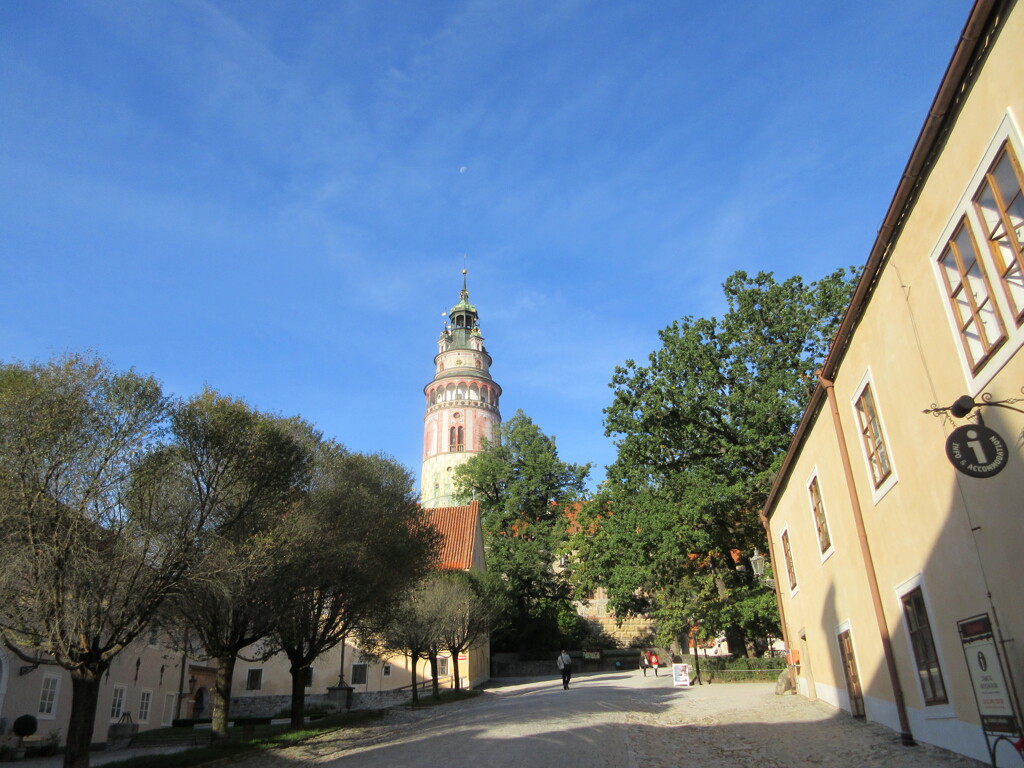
(144, 687)
(898, 573)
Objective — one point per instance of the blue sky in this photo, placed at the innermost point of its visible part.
(275, 198)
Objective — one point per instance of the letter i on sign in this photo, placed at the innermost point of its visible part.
(975, 445)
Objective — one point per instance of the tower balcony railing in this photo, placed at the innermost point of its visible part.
(464, 404)
(456, 447)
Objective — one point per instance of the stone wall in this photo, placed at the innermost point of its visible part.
(268, 706)
(509, 665)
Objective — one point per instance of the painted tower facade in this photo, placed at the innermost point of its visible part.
(462, 402)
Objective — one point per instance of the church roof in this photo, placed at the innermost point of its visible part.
(459, 527)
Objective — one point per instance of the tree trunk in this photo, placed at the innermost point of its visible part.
(455, 668)
(222, 696)
(736, 639)
(298, 696)
(85, 694)
(436, 689)
(413, 658)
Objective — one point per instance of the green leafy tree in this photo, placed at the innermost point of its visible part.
(92, 537)
(525, 492)
(412, 628)
(700, 432)
(468, 612)
(245, 469)
(358, 541)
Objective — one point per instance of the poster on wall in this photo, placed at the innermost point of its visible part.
(681, 674)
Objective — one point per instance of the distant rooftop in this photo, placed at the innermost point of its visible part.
(458, 527)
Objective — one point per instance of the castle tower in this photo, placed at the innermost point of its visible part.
(462, 402)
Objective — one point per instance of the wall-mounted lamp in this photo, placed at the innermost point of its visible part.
(192, 684)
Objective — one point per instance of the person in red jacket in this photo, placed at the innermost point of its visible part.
(653, 661)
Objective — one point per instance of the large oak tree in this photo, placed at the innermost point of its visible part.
(700, 432)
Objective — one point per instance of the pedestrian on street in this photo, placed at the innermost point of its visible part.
(564, 663)
(654, 661)
(643, 662)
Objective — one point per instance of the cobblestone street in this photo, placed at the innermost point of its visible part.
(619, 720)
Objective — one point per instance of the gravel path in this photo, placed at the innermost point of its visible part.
(611, 720)
(617, 720)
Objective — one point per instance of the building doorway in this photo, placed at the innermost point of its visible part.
(850, 671)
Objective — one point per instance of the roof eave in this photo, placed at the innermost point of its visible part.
(985, 16)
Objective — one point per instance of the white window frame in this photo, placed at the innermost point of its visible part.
(118, 699)
(783, 534)
(877, 493)
(815, 475)
(387, 669)
(1008, 131)
(145, 712)
(931, 711)
(443, 666)
(55, 703)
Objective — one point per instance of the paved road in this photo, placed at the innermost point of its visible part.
(616, 720)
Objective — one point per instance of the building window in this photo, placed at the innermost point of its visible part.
(308, 677)
(254, 679)
(117, 702)
(387, 670)
(456, 439)
(145, 703)
(929, 674)
(820, 522)
(358, 675)
(442, 666)
(967, 286)
(48, 697)
(154, 635)
(872, 437)
(979, 260)
(1000, 205)
(788, 553)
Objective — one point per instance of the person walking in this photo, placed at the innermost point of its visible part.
(654, 661)
(643, 662)
(564, 663)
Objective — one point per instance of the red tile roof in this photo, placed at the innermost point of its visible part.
(459, 529)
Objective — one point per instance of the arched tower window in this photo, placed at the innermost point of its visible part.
(456, 439)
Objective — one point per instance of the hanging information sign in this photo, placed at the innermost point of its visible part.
(976, 450)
